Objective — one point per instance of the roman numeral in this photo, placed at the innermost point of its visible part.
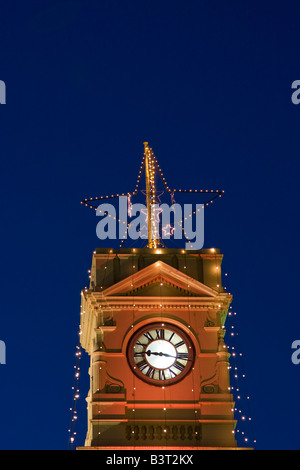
(161, 374)
(183, 356)
(142, 365)
(160, 334)
(178, 366)
(181, 343)
(170, 339)
(150, 372)
(148, 336)
(172, 372)
(138, 354)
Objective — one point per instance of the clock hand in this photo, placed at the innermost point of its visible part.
(153, 353)
(163, 354)
(149, 353)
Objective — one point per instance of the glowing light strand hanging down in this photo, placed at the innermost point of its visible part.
(244, 429)
(73, 409)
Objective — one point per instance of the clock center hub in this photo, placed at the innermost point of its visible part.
(160, 354)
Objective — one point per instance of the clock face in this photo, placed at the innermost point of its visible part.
(160, 354)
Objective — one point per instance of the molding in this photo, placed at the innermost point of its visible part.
(160, 271)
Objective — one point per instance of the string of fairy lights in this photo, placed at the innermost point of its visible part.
(72, 433)
(75, 389)
(75, 392)
(244, 430)
(244, 427)
(153, 171)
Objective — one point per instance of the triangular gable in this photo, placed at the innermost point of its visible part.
(158, 289)
(156, 273)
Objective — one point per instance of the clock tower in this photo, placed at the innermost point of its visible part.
(152, 322)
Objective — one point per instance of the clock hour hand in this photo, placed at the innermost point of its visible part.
(148, 353)
(154, 353)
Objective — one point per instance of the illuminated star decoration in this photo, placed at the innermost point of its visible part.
(168, 230)
(153, 170)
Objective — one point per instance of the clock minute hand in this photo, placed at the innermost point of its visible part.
(149, 353)
(167, 355)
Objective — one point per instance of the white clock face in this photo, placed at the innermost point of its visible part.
(160, 354)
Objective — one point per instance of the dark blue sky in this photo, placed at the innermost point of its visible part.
(208, 85)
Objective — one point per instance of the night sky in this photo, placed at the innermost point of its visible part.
(208, 85)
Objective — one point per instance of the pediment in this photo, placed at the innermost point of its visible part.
(159, 279)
